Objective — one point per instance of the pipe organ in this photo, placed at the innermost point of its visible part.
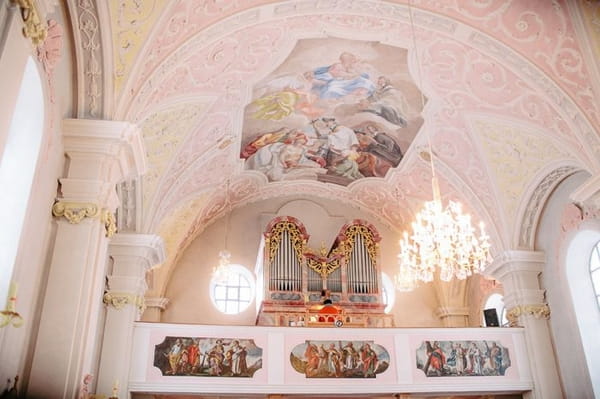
(295, 277)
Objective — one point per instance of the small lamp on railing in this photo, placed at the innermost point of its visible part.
(9, 315)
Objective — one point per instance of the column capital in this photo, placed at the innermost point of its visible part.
(514, 261)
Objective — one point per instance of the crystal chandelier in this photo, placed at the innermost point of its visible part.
(441, 238)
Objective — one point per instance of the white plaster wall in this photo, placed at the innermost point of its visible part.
(37, 237)
(565, 333)
(188, 288)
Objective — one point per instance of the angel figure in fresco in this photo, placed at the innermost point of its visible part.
(286, 95)
(343, 78)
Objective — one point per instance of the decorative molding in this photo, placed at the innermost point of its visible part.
(35, 29)
(535, 204)
(119, 300)
(49, 53)
(87, 37)
(75, 212)
(157, 302)
(540, 311)
(110, 223)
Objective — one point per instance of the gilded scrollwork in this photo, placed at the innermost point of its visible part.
(541, 311)
(119, 300)
(35, 29)
(323, 266)
(276, 235)
(350, 240)
(110, 223)
(75, 212)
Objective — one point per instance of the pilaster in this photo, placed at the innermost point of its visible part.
(154, 307)
(133, 255)
(519, 271)
(101, 154)
(452, 300)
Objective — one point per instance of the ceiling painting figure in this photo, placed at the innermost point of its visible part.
(335, 110)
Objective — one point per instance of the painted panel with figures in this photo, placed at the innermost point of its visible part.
(340, 359)
(462, 358)
(215, 357)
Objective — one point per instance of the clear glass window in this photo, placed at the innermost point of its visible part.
(233, 293)
(496, 301)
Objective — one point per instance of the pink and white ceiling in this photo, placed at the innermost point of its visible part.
(510, 104)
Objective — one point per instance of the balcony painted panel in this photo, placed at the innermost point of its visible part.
(277, 375)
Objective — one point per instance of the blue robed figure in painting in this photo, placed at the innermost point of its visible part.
(341, 79)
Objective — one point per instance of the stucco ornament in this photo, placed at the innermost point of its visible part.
(49, 53)
(35, 29)
(541, 311)
(75, 212)
(110, 222)
(119, 300)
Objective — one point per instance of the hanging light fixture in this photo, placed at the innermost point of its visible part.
(441, 238)
(222, 271)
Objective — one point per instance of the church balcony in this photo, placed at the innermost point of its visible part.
(246, 360)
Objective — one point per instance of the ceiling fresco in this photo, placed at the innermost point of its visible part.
(334, 111)
(252, 91)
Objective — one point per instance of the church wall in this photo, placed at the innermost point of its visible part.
(188, 288)
(566, 336)
(36, 243)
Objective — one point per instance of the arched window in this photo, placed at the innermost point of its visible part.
(595, 271)
(234, 293)
(388, 292)
(496, 301)
(582, 269)
(17, 168)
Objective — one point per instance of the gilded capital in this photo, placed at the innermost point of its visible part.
(119, 300)
(540, 311)
(35, 29)
(75, 212)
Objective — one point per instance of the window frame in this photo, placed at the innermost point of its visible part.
(232, 292)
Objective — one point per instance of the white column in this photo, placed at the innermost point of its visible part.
(519, 271)
(133, 255)
(101, 154)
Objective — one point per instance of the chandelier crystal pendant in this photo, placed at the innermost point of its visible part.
(443, 239)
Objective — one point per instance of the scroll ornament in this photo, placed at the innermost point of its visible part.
(541, 311)
(110, 223)
(34, 28)
(119, 300)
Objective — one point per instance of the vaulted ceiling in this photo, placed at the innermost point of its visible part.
(511, 106)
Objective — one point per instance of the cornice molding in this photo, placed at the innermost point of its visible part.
(150, 247)
(513, 261)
